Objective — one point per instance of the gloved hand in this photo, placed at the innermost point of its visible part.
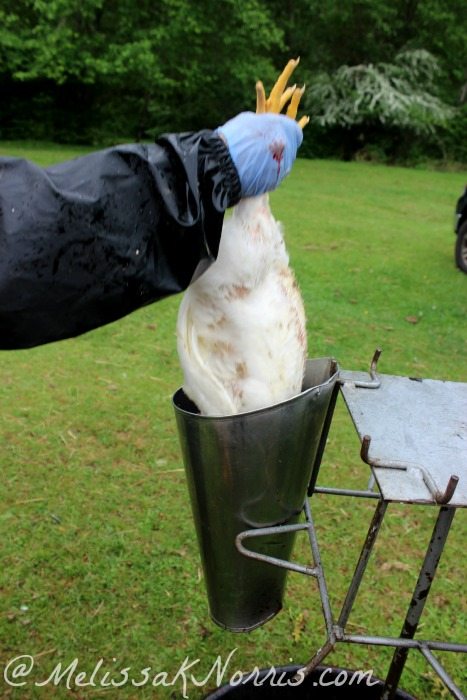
(263, 148)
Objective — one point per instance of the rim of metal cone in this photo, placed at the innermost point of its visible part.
(194, 411)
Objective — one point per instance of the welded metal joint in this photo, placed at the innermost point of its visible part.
(339, 633)
(375, 381)
(275, 561)
(364, 454)
(441, 498)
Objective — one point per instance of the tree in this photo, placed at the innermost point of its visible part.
(331, 34)
(166, 65)
(101, 70)
(401, 94)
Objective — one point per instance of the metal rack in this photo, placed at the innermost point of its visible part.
(413, 435)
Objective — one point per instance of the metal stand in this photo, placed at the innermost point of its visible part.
(418, 601)
(415, 433)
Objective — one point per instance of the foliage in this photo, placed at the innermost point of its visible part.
(99, 71)
(169, 65)
(333, 33)
(453, 138)
(397, 94)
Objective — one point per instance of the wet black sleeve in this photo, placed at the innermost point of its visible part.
(88, 241)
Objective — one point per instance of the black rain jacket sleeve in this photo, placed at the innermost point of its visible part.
(88, 241)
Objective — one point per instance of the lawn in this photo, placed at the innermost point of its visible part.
(99, 556)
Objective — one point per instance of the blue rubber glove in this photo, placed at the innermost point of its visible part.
(263, 148)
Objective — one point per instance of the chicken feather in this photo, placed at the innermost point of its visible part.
(241, 329)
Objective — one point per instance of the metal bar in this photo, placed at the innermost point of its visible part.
(276, 530)
(321, 654)
(445, 677)
(440, 497)
(419, 597)
(375, 382)
(362, 562)
(386, 464)
(323, 589)
(346, 492)
(315, 571)
(328, 646)
(404, 643)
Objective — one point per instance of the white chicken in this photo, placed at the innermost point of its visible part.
(241, 329)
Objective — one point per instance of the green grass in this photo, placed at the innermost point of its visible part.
(99, 557)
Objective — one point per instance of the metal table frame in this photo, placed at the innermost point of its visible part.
(336, 629)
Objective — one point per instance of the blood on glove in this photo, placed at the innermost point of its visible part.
(263, 148)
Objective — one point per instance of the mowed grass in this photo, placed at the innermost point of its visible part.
(99, 554)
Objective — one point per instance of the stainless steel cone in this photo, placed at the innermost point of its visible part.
(245, 471)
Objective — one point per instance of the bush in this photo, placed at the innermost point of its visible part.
(386, 111)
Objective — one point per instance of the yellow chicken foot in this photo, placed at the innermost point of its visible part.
(287, 94)
(292, 109)
(260, 98)
(280, 95)
(273, 103)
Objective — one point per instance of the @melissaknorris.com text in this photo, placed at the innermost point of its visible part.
(23, 671)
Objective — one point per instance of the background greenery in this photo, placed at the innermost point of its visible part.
(98, 71)
(99, 556)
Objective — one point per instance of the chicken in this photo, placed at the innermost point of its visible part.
(241, 329)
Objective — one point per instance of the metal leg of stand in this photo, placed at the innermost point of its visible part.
(333, 631)
(419, 597)
(362, 563)
(328, 646)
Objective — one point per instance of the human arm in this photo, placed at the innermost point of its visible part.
(88, 241)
